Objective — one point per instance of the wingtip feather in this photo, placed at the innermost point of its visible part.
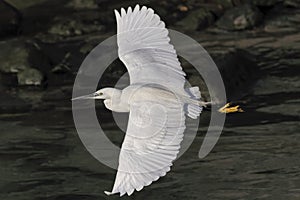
(129, 10)
(107, 193)
(117, 14)
(130, 191)
(123, 12)
(144, 8)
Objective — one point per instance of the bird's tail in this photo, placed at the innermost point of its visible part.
(193, 107)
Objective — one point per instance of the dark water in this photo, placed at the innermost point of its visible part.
(257, 157)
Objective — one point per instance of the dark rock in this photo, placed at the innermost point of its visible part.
(216, 10)
(266, 2)
(14, 56)
(15, 65)
(238, 70)
(196, 19)
(64, 71)
(223, 3)
(10, 19)
(9, 79)
(77, 25)
(292, 3)
(63, 66)
(240, 18)
(282, 19)
(30, 76)
(82, 4)
(59, 79)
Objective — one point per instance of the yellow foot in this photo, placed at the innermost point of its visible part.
(228, 109)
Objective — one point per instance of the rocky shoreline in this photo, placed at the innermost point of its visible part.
(247, 36)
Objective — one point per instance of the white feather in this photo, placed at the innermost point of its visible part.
(148, 152)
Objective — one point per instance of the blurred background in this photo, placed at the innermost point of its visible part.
(255, 44)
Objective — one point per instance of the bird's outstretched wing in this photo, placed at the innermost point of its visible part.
(152, 142)
(145, 50)
(154, 131)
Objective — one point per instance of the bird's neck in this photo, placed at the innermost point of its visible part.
(113, 102)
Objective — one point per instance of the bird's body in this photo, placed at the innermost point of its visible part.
(120, 100)
(156, 100)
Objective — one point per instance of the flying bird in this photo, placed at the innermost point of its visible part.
(156, 100)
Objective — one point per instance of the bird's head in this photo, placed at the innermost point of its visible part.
(104, 93)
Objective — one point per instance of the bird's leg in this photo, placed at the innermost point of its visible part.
(227, 108)
(204, 103)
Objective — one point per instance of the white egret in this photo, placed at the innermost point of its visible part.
(156, 100)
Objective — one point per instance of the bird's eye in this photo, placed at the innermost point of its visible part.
(98, 94)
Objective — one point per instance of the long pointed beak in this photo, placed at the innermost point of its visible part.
(89, 96)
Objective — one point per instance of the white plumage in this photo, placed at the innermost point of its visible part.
(157, 114)
(145, 49)
(155, 98)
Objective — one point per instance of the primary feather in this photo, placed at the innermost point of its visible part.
(145, 50)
